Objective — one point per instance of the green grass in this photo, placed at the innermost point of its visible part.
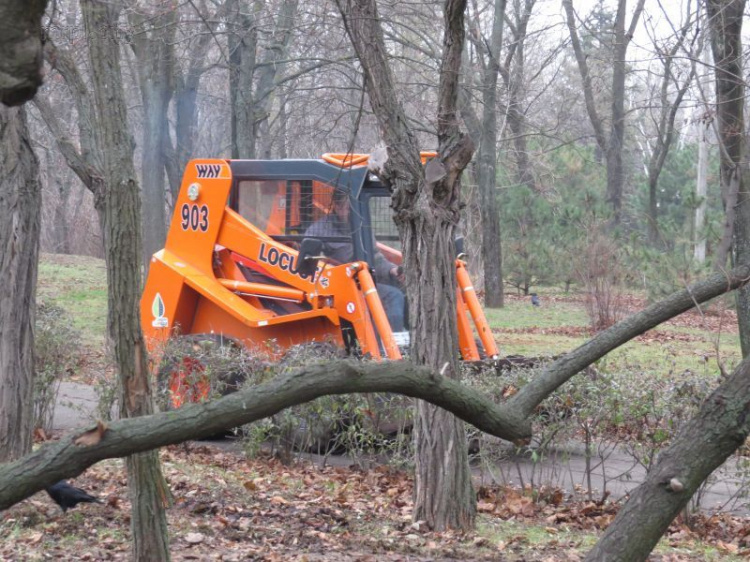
(520, 314)
(560, 326)
(78, 284)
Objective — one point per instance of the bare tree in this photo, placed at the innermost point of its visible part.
(153, 37)
(252, 81)
(103, 160)
(666, 113)
(720, 427)
(725, 19)
(20, 211)
(492, 255)
(121, 214)
(426, 209)
(610, 142)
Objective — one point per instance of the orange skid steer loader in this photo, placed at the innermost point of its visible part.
(237, 263)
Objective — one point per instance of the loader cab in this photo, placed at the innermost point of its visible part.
(284, 198)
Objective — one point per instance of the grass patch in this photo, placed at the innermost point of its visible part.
(77, 284)
(518, 313)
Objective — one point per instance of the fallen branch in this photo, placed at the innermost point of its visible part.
(71, 455)
(560, 371)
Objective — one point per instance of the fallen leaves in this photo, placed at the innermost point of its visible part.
(194, 538)
(229, 508)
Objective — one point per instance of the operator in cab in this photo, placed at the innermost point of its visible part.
(387, 274)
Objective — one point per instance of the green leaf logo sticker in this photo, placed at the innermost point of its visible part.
(158, 309)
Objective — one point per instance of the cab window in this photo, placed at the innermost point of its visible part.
(381, 221)
(283, 208)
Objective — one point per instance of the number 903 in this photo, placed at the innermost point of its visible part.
(194, 217)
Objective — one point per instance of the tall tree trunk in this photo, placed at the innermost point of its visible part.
(426, 207)
(272, 63)
(665, 129)
(513, 75)
(20, 219)
(615, 170)
(153, 45)
(243, 43)
(120, 210)
(492, 256)
(725, 24)
(701, 189)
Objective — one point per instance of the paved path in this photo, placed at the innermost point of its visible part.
(76, 406)
(565, 467)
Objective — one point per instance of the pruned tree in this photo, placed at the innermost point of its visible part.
(20, 213)
(426, 203)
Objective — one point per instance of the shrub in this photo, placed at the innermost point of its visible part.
(56, 345)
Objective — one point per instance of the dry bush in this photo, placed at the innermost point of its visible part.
(603, 276)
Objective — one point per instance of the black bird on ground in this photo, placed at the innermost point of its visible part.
(535, 300)
(67, 496)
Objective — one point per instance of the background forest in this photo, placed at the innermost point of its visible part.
(279, 79)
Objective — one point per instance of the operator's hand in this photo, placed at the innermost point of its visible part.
(397, 273)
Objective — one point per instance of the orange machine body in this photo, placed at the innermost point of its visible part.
(230, 264)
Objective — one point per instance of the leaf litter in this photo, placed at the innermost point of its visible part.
(226, 507)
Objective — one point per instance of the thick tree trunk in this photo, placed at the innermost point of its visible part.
(426, 208)
(721, 426)
(725, 24)
(492, 255)
(20, 49)
(20, 218)
(444, 495)
(123, 249)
